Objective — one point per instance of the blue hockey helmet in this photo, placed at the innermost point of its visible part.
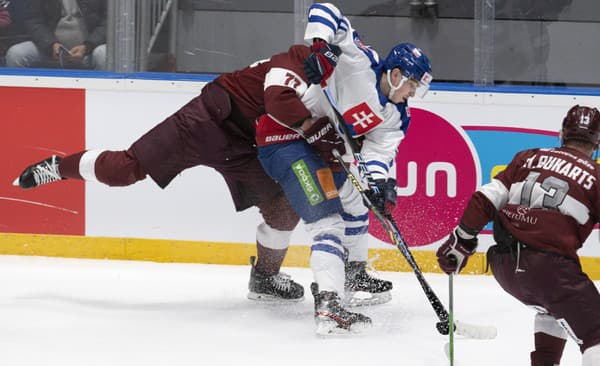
(413, 63)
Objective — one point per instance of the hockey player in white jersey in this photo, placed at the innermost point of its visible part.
(372, 95)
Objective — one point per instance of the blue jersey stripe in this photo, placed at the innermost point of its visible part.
(379, 164)
(345, 23)
(366, 50)
(324, 21)
(327, 10)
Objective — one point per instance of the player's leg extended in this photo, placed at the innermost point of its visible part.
(113, 168)
(309, 186)
(163, 152)
(187, 138)
(361, 288)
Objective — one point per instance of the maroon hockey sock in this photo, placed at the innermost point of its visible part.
(548, 350)
(69, 166)
(269, 260)
(118, 168)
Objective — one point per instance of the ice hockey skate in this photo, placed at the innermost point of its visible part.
(332, 318)
(277, 288)
(45, 171)
(362, 289)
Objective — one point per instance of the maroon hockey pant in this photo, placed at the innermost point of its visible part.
(196, 134)
(555, 283)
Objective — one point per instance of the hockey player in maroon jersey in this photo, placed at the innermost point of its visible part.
(544, 206)
(215, 129)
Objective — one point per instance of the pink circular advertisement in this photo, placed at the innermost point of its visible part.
(437, 171)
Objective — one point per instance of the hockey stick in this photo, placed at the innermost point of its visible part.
(391, 229)
(386, 221)
(443, 326)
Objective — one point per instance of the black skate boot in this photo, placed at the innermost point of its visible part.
(332, 318)
(45, 171)
(276, 288)
(362, 289)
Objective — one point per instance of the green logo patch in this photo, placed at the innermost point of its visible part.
(311, 190)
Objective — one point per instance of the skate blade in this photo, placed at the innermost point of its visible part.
(328, 328)
(354, 299)
(272, 298)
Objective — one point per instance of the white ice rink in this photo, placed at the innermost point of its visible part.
(89, 312)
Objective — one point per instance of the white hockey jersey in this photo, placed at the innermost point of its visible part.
(354, 85)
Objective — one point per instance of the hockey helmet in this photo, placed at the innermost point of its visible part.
(583, 124)
(413, 63)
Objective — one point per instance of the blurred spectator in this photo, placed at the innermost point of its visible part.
(11, 25)
(64, 33)
(5, 20)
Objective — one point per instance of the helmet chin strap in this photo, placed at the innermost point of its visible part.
(392, 87)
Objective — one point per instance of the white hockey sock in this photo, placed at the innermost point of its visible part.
(87, 165)
(545, 323)
(272, 238)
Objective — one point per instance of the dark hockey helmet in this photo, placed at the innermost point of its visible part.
(582, 124)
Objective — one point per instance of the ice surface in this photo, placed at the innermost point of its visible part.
(66, 312)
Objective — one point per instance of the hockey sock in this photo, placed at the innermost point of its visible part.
(548, 350)
(69, 166)
(269, 260)
(113, 168)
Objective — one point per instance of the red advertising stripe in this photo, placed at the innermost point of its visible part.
(39, 122)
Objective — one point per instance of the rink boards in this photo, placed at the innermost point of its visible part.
(459, 138)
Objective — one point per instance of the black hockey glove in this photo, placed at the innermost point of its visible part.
(323, 138)
(455, 252)
(385, 200)
(319, 66)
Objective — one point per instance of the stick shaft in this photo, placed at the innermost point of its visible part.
(451, 316)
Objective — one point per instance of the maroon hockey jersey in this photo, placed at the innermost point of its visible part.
(546, 198)
(253, 95)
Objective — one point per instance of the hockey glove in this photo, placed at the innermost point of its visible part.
(319, 66)
(453, 254)
(384, 200)
(323, 138)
